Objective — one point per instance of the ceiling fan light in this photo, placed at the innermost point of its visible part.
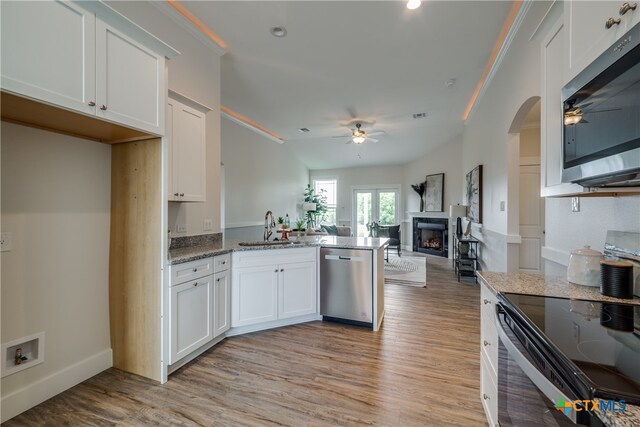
(572, 119)
(358, 139)
(413, 4)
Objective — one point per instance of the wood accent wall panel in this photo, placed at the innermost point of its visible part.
(135, 278)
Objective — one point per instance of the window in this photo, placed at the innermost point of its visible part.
(375, 204)
(330, 187)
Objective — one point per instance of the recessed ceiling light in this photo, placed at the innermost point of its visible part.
(419, 115)
(304, 130)
(413, 4)
(278, 31)
(450, 82)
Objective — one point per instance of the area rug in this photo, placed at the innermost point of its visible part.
(407, 270)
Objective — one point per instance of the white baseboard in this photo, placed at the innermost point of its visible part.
(27, 397)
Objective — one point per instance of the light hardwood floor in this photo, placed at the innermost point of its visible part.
(421, 369)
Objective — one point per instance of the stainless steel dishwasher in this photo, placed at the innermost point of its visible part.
(346, 285)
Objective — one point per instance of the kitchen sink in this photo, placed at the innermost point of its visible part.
(269, 243)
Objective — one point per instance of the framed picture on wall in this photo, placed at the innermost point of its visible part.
(434, 193)
(473, 196)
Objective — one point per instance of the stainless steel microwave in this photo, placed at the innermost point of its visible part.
(601, 119)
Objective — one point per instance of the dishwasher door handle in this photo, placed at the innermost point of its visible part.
(343, 258)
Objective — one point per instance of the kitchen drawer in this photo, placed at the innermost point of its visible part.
(489, 340)
(273, 256)
(192, 270)
(221, 263)
(488, 300)
(488, 392)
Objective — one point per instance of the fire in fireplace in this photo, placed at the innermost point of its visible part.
(431, 236)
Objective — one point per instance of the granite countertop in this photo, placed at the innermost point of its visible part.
(531, 284)
(206, 249)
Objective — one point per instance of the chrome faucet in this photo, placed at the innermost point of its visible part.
(268, 225)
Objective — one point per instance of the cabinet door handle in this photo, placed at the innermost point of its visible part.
(195, 284)
(92, 104)
(103, 107)
(486, 301)
(224, 262)
(275, 271)
(611, 22)
(626, 7)
(486, 343)
(176, 194)
(281, 270)
(181, 194)
(485, 397)
(218, 279)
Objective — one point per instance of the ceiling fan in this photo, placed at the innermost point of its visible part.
(360, 136)
(574, 115)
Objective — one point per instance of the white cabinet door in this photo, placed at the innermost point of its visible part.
(297, 290)
(48, 53)
(187, 150)
(254, 295)
(553, 68)
(222, 303)
(587, 34)
(130, 81)
(191, 316)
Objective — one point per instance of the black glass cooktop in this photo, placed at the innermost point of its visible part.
(601, 339)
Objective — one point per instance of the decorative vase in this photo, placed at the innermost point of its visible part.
(421, 204)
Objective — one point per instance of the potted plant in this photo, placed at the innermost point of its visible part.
(419, 188)
(281, 222)
(301, 225)
(320, 200)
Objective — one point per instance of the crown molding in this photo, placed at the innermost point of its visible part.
(504, 48)
(251, 125)
(184, 23)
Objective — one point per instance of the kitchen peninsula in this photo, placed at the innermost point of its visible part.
(225, 288)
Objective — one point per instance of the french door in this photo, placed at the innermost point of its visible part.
(374, 204)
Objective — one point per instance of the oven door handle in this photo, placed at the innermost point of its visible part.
(541, 382)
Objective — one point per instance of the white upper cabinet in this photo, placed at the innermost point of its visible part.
(553, 69)
(130, 81)
(87, 58)
(186, 130)
(587, 35)
(48, 53)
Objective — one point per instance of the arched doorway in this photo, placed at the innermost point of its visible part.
(526, 211)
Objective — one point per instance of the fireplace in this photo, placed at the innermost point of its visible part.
(431, 236)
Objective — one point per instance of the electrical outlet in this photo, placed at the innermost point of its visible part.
(5, 241)
(575, 204)
(208, 225)
(502, 206)
(181, 228)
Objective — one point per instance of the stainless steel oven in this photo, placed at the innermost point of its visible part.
(528, 386)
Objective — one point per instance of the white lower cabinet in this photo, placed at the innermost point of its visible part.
(297, 292)
(488, 354)
(199, 304)
(273, 285)
(191, 316)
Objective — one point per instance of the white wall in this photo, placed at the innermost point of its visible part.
(486, 136)
(566, 230)
(56, 202)
(260, 175)
(195, 73)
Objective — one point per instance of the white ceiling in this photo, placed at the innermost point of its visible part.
(373, 60)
